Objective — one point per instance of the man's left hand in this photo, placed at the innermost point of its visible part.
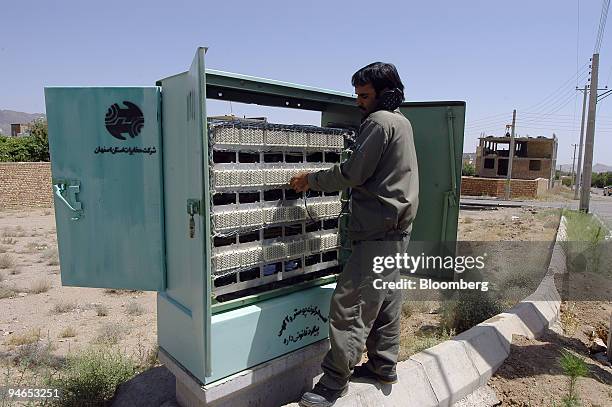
(299, 182)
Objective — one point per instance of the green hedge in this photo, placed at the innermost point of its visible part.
(28, 148)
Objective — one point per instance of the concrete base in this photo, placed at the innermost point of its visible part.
(271, 384)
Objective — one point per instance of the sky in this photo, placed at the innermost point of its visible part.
(494, 55)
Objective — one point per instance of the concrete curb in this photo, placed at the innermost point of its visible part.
(448, 372)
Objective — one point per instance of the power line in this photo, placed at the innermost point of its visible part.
(602, 25)
(580, 72)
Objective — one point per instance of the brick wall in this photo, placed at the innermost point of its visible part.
(25, 185)
(520, 168)
(478, 186)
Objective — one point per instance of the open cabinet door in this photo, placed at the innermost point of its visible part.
(106, 157)
(438, 139)
(186, 203)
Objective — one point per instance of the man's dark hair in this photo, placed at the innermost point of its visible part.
(381, 75)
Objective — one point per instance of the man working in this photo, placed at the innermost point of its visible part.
(382, 174)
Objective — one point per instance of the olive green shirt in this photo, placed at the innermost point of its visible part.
(383, 175)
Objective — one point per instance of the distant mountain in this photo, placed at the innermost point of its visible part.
(602, 168)
(7, 117)
(596, 168)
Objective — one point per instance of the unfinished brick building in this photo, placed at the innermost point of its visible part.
(534, 157)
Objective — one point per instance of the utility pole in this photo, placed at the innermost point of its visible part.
(585, 193)
(573, 184)
(579, 166)
(510, 156)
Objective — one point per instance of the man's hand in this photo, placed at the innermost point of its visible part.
(299, 182)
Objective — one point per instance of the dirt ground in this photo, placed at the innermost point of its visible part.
(36, 305)
(421, 315)
(532, 376)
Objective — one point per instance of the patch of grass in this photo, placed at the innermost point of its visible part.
(7, 292)
(92, 376)
(109, 334)
(39, 286)
(583, 227)
(513, 295)
(135, 309)
(16, 231)
(51, 256)
(409, 307)
(8, 240)
(146, 357)
(37, 354)
(7, 261)
(68, 332)
(34, 247)
(584, 248)
(520, 279)
(468, 220)
(412, 344)
(63, 307)
(26, 338)
(101, 310)
(468, 309)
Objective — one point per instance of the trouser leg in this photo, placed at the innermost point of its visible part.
(383, 341)
(345, 327)
(355, 306)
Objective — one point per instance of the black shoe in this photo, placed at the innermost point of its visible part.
(321, 396)
(363, 372)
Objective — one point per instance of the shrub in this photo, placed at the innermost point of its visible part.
(63, 307)
(101, 310)
(133, 308)
(574, 367)
(468, 170)
(51, 256)
(7, 292)
(468, 309)
(34, 147)
(92, 376)
(109, 334)
(40, 286)
(6, 261)
(68, 332)
(26, 338)
(17, 231)
(36, 354)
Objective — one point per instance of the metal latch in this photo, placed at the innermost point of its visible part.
(67, 192)
(193, 208)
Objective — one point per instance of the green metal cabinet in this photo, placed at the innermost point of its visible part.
(132, 206)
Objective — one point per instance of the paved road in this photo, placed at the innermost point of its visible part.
(599, 204)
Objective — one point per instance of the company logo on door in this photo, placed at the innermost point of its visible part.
(119, 121)
(128, 121)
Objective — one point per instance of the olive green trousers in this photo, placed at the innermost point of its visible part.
(362, 316)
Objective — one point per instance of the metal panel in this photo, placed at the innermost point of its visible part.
(188, 257)
(106, 165)
(251, 335)
(438, 140)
